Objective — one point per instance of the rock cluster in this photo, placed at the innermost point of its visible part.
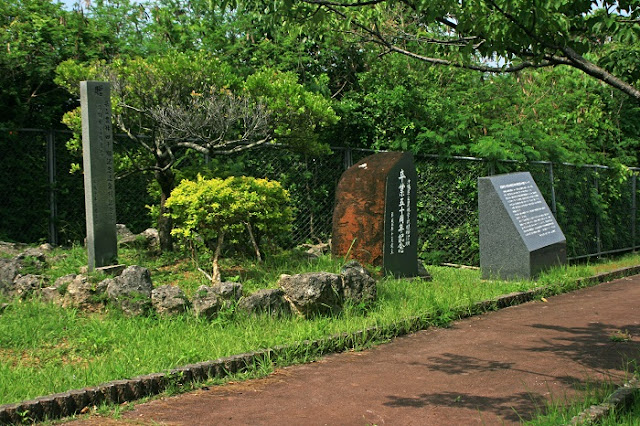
(18, 275)
(132, 291)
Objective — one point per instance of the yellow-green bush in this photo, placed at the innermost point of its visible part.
(206, 212)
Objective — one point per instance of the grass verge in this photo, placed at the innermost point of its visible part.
(45, 349)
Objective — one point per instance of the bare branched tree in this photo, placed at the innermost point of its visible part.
(216, 122)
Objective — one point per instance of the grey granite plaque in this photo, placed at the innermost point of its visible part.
(99, 190)
(400, 220)
(519, 237)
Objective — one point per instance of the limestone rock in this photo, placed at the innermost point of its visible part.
(130, 241)
(25, 286)
(131, 291)
(169, 300)
(313, 293)
(206, 302)
(45, 248)
(270, 301)
(228, 290)
(51, 294)
(358, 285)
(80, 292)
(39, 258)
(314, 251)
(9, 270)
(151, 236)
(10, 248)
(63, 282)
(122, 231)
(147, 239)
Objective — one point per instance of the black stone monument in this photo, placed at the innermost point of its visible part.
(519, 237)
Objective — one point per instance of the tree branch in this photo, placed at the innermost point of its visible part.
(378, 38)
(343, 4)
(473, 67)
(601, 74)
(243, 147)
(518, 24)
(553, 52)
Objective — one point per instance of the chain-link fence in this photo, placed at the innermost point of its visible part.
(596, 206)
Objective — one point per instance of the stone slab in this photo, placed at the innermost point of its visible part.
(98, 168)
(400, 224)
(519, 236)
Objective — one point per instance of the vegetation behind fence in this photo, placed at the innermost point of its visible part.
(596, 206)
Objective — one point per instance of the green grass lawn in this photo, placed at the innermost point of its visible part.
(46, 349)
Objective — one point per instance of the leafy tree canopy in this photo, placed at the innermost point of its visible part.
(554, 114)
(599, 38)
(36, 36)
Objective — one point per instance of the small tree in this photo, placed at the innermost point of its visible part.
(208, 211)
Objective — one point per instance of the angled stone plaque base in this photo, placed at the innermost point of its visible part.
(519, 237)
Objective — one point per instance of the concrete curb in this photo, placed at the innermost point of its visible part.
(120, 391)
(621, 398)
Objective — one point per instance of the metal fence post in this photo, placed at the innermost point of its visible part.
(553, 192)
(51, 168)
(634, 208)
(348, 158)
(598, 238)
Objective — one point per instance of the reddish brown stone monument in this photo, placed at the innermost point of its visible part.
(374, 220)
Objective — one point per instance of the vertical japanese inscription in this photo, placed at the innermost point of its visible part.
(531, 212)
(404, 213)
(97, 147)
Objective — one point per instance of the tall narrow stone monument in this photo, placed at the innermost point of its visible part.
(375, 220)
(99, 189)
(519, 237)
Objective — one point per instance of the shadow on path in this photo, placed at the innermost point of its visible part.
(593, 346)
(506, 408)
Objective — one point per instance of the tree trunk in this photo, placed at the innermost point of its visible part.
(254, 242)
(166, 180)
(216, 277)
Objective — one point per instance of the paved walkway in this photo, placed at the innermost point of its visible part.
(491, 369)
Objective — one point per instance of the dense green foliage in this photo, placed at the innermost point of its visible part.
(179, 103)
(591, 36)
(553, 115)
(36, 36)
(297, 79)
(387, 101)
